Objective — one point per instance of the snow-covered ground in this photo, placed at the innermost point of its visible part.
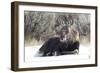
(31, 53)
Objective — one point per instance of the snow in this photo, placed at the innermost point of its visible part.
(31, 54)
